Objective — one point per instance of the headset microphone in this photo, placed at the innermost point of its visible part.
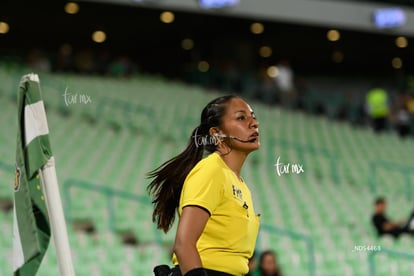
(220, 135)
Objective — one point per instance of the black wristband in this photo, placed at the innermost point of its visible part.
(197, 272)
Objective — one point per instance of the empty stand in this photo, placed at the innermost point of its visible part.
(134, 125)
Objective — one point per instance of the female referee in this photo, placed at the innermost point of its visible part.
(217, 227)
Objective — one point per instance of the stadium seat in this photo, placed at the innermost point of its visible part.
(332, 206)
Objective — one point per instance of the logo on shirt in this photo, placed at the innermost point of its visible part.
(237, 193)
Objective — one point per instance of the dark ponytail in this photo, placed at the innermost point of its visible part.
(168, 181)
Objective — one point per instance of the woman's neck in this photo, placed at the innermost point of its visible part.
(234, 161)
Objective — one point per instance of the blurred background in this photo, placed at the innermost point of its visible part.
(124, 83)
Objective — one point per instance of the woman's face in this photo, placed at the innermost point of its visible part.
(240, 123)
(268, 264)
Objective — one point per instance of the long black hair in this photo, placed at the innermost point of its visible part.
(168, 181)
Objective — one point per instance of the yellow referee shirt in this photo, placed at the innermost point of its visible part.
(229, 237)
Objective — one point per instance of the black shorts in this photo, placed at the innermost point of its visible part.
(176, 272)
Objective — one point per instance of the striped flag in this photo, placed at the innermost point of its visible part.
(31, 222)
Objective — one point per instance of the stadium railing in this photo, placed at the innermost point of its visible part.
(295, 236)
(406, 172)
(110, 194)
(391, 253)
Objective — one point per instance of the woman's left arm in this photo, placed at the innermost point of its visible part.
(192, 222)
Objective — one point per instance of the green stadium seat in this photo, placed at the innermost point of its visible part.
(333, 207)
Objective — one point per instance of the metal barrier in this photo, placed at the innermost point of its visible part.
(295, 236)
(406, 171)
(389, 252)
(109, 194)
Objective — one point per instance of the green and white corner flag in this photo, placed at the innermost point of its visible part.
(34, 172)
(31, 221)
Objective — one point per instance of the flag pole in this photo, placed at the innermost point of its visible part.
(57, 218)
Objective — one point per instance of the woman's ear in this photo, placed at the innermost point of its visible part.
(216, 135)
(214, 131)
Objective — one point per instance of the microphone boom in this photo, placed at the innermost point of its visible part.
(235, 138)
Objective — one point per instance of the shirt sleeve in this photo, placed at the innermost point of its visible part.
(203, 187)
